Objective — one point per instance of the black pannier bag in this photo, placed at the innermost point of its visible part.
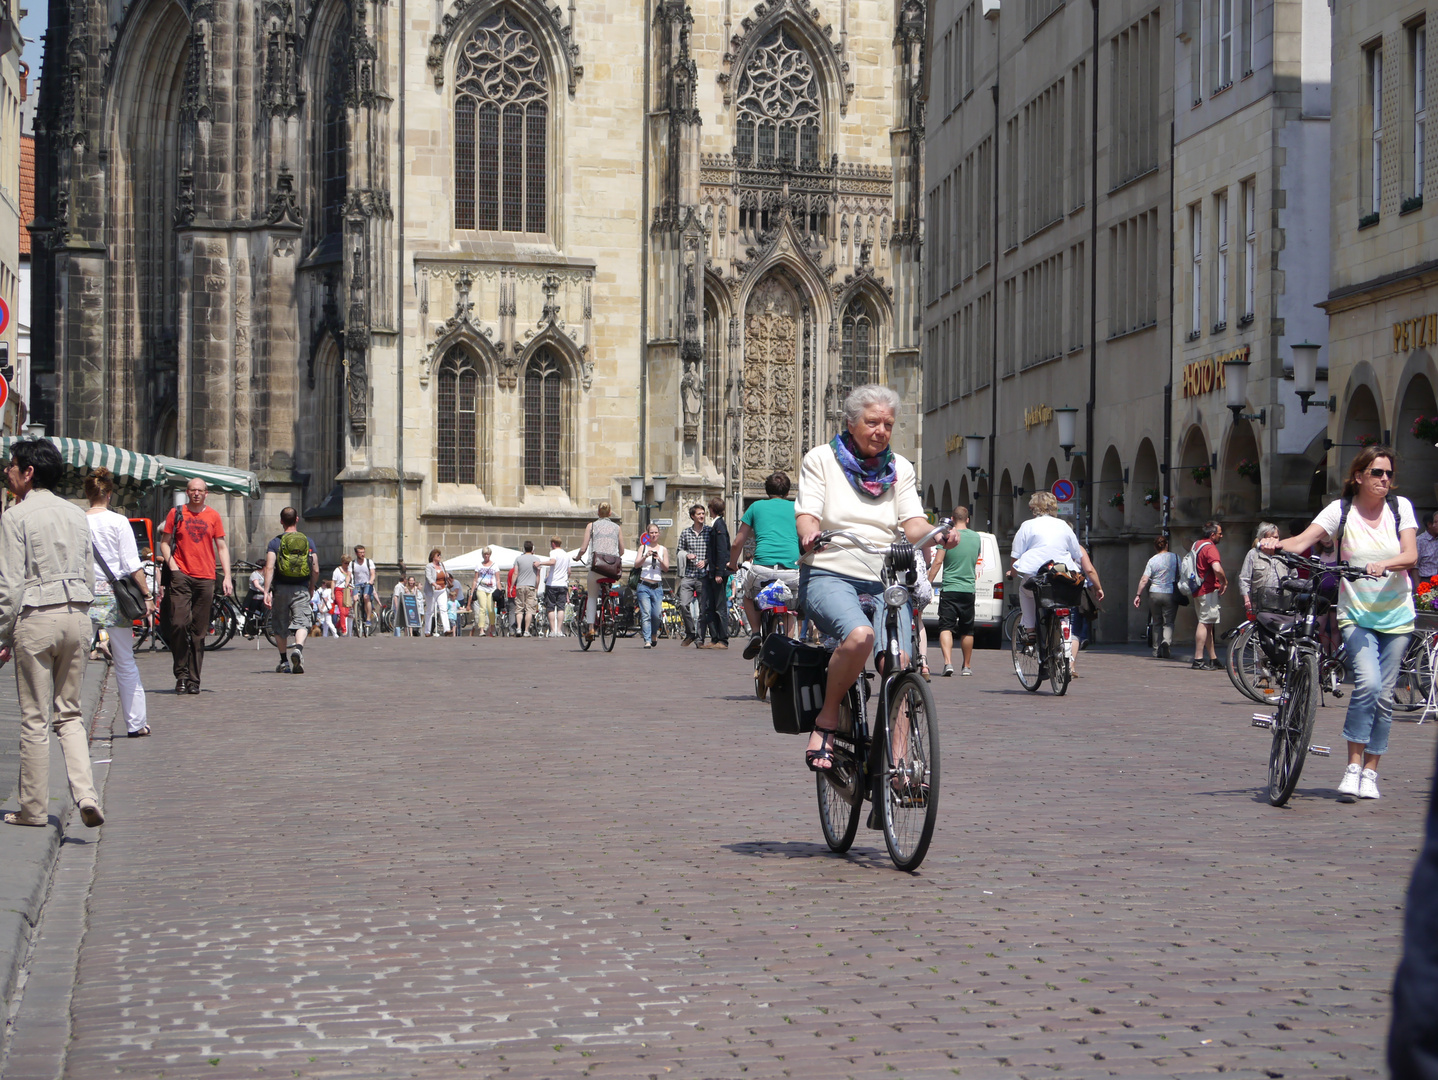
(795, 675)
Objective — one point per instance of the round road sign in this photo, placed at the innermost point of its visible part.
(4, 391)
(4, 316)
(1064, 490)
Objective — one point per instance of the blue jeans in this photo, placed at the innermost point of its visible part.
(651, 609)
(832, 602)
(1375, 658)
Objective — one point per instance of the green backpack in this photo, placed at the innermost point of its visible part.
(293, 560)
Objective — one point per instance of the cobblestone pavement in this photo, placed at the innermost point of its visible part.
(510, 858)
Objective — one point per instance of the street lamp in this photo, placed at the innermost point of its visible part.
(1235, 376)
(973, 455)
(1305, 375)
(1067, 419)
(660, 487)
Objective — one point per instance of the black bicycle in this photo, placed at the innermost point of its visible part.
(1293, 613)
(1044, 652)
(897, 769)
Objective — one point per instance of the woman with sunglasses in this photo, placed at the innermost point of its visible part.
(1375, 615)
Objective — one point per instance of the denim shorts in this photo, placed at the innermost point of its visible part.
(832, 602)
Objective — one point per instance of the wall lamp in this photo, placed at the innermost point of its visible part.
(1305, 375)
(1067, 421)
(973, 454)
(1235, 374)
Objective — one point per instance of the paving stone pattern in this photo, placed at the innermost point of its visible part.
(510, 858)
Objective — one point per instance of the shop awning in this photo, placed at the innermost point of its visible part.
(221, 478)
(134, 471)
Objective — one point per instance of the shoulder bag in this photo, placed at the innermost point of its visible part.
(129, 599)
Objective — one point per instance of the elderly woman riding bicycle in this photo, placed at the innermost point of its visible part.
(854, 482)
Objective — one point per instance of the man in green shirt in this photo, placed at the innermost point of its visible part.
(770, 522)
(956, 594)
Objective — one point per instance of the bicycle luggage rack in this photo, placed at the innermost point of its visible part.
(1262, 720)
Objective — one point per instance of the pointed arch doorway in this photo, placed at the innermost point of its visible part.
(777, 342)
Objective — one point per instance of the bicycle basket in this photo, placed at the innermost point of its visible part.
(1058, 587)
(797, 675)
(1276, 601)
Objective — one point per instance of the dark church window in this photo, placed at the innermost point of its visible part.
(334, 152)
(857, 364)
(778, 102)
(545, 408)
(458, 428)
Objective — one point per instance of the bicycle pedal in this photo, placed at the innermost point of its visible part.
(1262, 721)
(1320, 751)
(1336, 694)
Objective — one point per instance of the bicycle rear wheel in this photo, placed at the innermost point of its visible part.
(1415, 676)
(1293, 729)
(1249, 668)
(909, 785)
(1026, 659)
(609, 630)
(1059, 674)
(1008, 626)
(841, 789)
(222, 626)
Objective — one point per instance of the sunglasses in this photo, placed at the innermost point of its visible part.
(1381, 474)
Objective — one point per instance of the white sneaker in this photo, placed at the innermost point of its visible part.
(1368, 785)
(1348, 786)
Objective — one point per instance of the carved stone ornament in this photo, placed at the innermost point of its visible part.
(282, 93)
(459, 326)
(758, 28)
(283, 208)
(549, 21)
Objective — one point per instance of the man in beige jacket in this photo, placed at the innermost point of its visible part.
(45, 594)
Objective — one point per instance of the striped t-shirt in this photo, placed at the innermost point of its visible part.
(1385, 605)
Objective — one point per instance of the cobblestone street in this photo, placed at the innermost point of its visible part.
(513, 858)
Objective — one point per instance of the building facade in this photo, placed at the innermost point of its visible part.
(12, 221)
(1251, 254)
(451, 274)
(1383, 286)
(1048, 231)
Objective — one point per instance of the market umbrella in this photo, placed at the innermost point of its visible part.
(133, 471)
(221, 478)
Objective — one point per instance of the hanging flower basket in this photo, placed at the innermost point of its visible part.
(1151, 496)
(1426, 594)
(1247, 467)
(1116, 501)
(1201, 474)
(1366, 441)
(1426, 429)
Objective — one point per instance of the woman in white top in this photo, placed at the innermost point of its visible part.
(1160, 576)
(482, 599)
(1374, 614)
(854, 482)
(113, 540)
(653, 564)
(1043, 539)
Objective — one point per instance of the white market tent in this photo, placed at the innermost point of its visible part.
(503, 558)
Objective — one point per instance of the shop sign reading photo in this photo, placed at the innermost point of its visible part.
(1206, 375)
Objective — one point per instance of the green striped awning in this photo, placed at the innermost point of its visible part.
(134, 471)
(221, 478)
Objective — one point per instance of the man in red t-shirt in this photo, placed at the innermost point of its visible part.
(1212, 582)
(190, 539)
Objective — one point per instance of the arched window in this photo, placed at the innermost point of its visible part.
(778, 102)
(546, 422)
(327, 421)
(460, 409)
(858, 362)
(334, 138)
(501, 129)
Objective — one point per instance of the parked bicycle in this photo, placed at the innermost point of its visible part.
(1293, 612)
(1415, 688)
(897, 767)
(1044, 652)
(1256, 655)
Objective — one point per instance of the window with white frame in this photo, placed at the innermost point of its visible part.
(1250, 249)
(1220, 282)
(1418, 38)
(1374, 115)
(1250, 32)
(1224, 72)
(1195, 232)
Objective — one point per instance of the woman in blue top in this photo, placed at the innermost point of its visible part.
(1375, 614)
(1159, 576)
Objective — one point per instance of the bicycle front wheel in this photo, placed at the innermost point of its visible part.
(222, 627)
(1058, 650)
(1293, 728)
(841, 788)
(908, 788)
(1026, 658)
(609, 630)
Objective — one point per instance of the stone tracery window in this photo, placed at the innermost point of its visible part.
(778, 105)
(859, 352)
(546, 422)
(460, 408)
(501, 129)
(334, 146)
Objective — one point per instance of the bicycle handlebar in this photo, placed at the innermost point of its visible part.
(874, 549)
(1317, 566)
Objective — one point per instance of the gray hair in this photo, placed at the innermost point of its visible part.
(861, 397)
(1265, 529)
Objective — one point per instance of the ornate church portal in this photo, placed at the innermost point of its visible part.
(484, 348)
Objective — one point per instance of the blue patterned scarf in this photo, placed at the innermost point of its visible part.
(870, 476)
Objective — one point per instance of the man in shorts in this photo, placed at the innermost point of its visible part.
(526, 587)
(956, 593)
(556, 592)
(1212, 583)
(770, 522)
(288, 592)
(363, 579)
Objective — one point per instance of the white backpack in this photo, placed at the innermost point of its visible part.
(1189, 578)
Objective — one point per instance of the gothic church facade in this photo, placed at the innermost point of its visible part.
(451, 272)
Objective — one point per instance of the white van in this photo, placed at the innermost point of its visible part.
(988, 595)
